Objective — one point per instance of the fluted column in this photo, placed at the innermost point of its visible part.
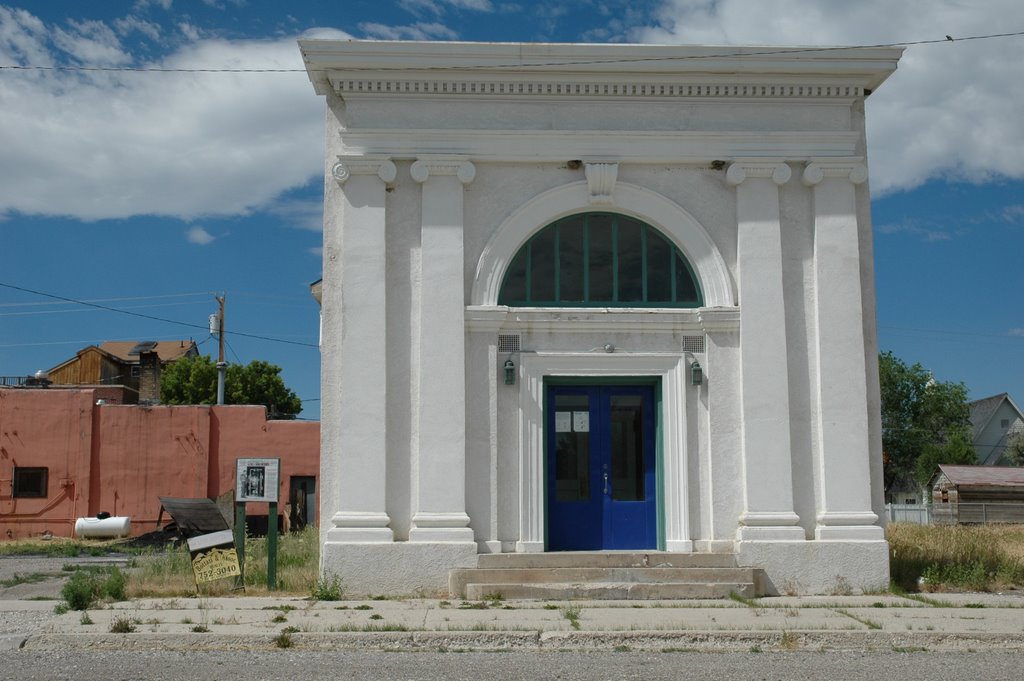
(764, 358)
(354, 386)
(843, 441)
(439, 465)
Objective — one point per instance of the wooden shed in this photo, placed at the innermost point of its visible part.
(978, 494)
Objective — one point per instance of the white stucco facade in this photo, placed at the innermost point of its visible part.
(444, 159)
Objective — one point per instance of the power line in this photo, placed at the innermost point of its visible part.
(110, 300)
(151, 317)
(478, 67)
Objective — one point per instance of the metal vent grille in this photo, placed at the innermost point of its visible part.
(508, 342)
(693, 344)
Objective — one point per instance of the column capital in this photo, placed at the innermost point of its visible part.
(601, 179)
(347, 166)
(852, 169)
(460, 167)
(740, 170)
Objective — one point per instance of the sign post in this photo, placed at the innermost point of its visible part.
(258, 480)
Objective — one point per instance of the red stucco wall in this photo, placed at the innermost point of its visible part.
(120, 458)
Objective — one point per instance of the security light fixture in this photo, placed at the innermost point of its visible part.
(510, 372)
(696, 373)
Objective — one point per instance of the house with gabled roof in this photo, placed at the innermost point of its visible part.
(120, 363)
(994, 420)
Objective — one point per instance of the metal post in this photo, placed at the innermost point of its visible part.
(240, 542)
(221, 371)
(272, 546)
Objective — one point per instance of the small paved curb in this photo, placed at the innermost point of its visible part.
(664, 641)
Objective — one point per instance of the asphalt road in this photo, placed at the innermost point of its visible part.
(566, 666)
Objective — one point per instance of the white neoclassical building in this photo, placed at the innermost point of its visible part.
(595, 298)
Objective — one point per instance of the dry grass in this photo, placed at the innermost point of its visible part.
(956, 557)
(165, 574)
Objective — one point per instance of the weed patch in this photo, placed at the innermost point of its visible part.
(123, 625)
(327, 588)
(87, 587)
(955, 558)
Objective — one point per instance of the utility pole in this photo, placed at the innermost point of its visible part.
(222, 366)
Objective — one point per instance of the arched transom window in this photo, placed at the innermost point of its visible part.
(599, 260)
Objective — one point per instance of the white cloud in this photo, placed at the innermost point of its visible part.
(438, 7)
(303, 214)
(97, 145)
(92, 43)
(476, 5)
(418, 31)
(198, 235)
(951, 110)
(126, 25)
(1016, 332)
(915, 229)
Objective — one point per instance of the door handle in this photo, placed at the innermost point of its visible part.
(606, 482)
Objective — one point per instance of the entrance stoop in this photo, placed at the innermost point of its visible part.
(606, 575)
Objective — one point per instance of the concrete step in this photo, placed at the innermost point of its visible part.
(606, 559)
(595, 574)
(605, 575)
(610, 591)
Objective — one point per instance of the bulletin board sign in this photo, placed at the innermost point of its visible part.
(257, 480)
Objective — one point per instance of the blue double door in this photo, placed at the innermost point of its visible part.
(601, 482)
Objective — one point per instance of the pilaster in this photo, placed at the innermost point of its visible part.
(843, 448)
(764, 358)
(439, 466)
(354, 371)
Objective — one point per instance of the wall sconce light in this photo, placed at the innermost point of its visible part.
(696, 373)
(510, 372)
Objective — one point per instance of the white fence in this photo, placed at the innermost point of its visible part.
(918, 514)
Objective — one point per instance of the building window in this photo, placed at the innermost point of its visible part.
(30, 483)
(599, 260)
(1005, 423)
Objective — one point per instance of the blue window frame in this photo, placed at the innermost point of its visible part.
(599, 260)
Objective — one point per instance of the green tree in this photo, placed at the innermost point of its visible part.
(924, 422)
(193, 380)
(1015, 449)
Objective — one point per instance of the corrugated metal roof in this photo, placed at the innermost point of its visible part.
(988, 476)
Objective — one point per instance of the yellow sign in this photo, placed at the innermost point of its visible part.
(215, 563)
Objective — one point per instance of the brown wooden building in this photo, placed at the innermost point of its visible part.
(118, 362)
(978, 494)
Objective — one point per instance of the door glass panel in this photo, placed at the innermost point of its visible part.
(572, 447)
(627, 447)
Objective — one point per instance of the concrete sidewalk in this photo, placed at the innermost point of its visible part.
(882, 622)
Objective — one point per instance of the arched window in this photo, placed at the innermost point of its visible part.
(599, 260)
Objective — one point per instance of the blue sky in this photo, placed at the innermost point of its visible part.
(151, 192)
